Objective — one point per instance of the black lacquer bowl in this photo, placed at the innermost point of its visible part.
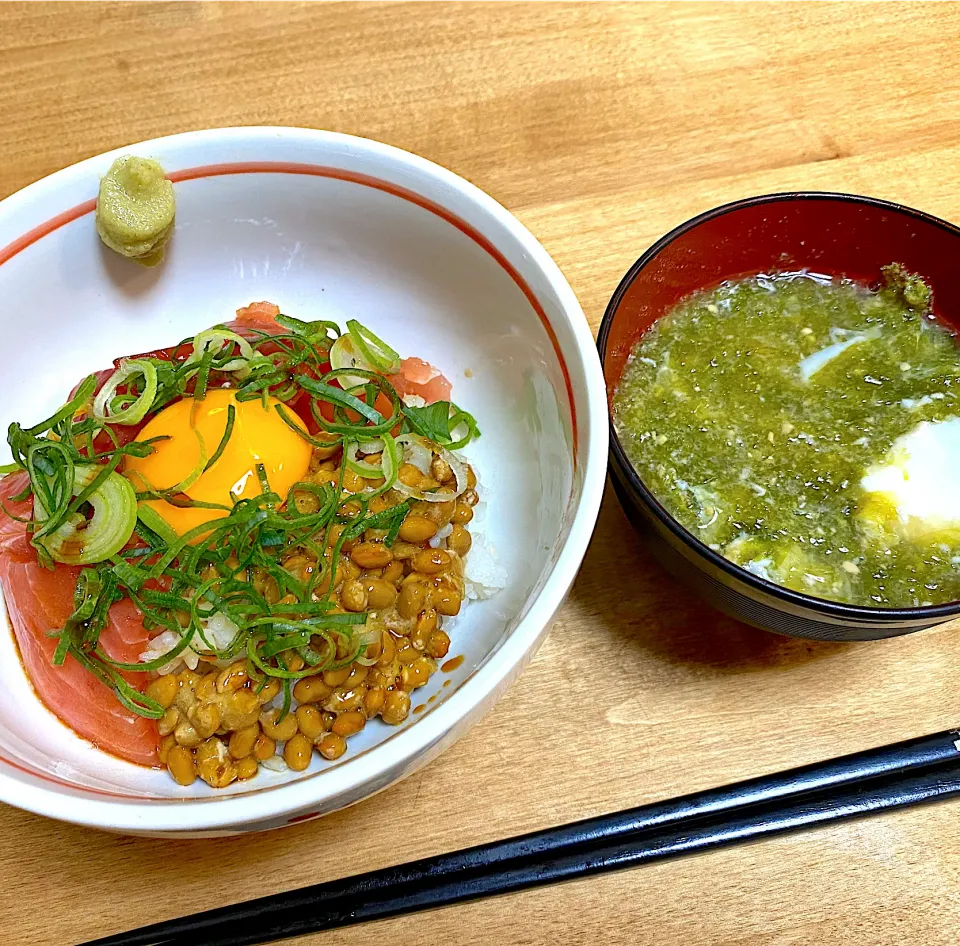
(836, 234)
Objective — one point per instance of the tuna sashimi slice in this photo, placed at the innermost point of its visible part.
(38, 600)
(420, 378)
(258, 313)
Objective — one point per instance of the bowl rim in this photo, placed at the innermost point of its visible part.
(419, 740)
(838, 611)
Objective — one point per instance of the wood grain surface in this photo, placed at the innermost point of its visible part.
(601, 126)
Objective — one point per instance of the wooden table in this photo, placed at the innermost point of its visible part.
(601, 127)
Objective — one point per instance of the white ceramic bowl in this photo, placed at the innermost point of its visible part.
(328, 226)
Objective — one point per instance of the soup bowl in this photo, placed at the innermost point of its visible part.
(839, 235)
(329, 227)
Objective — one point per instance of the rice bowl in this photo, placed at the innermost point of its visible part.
(497, 315)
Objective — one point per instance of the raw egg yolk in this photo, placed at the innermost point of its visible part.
(259, 436)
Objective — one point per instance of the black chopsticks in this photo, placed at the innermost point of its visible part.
(901, 774)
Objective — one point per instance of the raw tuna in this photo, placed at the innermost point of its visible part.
(38, 600)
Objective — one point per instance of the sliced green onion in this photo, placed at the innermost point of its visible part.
(55, 485)
(441, 495)
(389, 466)
(156, 523)
(278, 672)
(341, 398)
(216, 340)
(186, 638)
(129, 575)
(359, 466)
(373, 349)
(114, 504)
(345, 356)
(313, 331)
(50, 466)
(265, 489)
(86, 593)
(416, 451)
(197, 471)
(203, 376)
(166, 492)
(134, 412)
(224, 440)
(385, 519)
(394, 531)
(103, 668)
(368, 637)
(329, 445)
(461, 419)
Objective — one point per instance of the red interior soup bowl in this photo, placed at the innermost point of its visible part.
(839, 235)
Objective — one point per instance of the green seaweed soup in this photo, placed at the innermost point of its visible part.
(808, 429)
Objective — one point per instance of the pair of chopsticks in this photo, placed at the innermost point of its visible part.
(904, 773)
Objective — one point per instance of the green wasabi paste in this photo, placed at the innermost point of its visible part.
(135, 209)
